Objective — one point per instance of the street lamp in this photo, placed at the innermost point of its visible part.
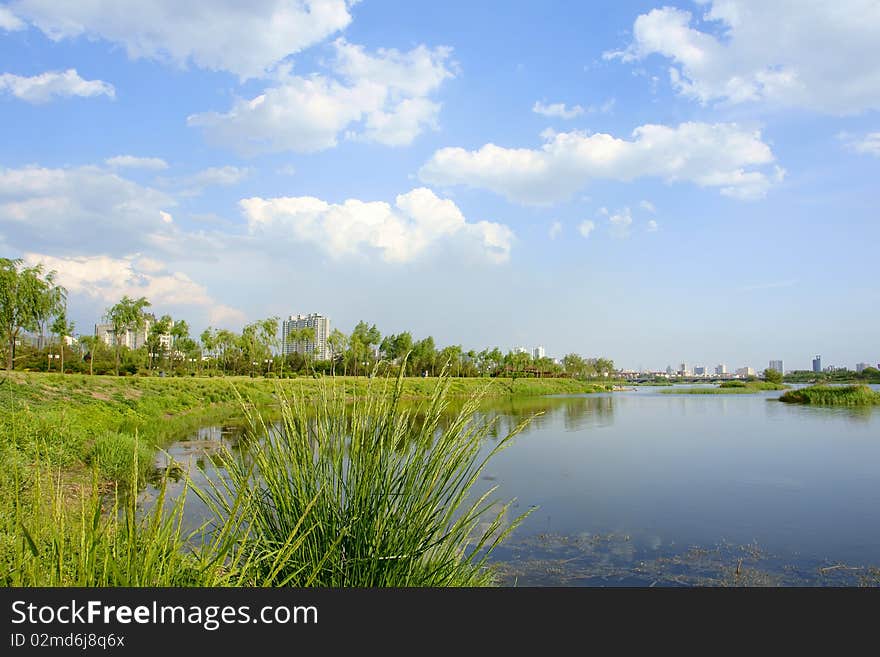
(50, 357)
(268, 362)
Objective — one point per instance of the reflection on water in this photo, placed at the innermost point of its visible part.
(640, 487)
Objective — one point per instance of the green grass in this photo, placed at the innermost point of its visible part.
(729, 388)
(369, 492)
(855, 395)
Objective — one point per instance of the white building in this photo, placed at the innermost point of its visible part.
(132, 338)
(318, 348)
(745, 371)
(720, 370)
(860, 367)
(520, 350)
(539, 352)
(777, 365)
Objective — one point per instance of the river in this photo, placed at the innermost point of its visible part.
(643, 487)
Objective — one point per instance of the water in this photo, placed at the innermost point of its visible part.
(645, 487)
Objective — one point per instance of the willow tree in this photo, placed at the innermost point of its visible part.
(62, 327)
(28, 298)
(127, 315)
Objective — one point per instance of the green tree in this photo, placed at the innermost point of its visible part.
(28, 297)
(574, 364)
(127, 315)
(772, 375)
(62, 328)
(159, 328)
(338, 343)
(179, 338)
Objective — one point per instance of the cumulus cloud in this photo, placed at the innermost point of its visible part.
(73, 208)
(619, 222)
(555, 229)
(557, 110)
(224, 176)
(399, 233)
(648, 206)
(653, 226)
(721, 155)
(868, 144)
(587, 226)
(817, 55)
(9, 21)
(381, 97)
(109, 279)
(53, 84)
(244, 38)
(133, 162)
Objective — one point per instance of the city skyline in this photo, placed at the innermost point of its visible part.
(644, 181)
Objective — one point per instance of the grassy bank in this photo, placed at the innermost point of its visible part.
(365, 492)
(729, 388)
(76, 420)
(857, 395)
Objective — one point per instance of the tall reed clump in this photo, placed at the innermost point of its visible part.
(366, 492)
(51, 536)
(857, 395)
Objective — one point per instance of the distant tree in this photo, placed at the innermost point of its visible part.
(62, 328)
(28, 297)
(155, 344)
(124, 316)
(772, 375)
(574, 364)
(338, 343)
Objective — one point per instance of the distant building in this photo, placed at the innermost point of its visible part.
(132, 338)
(817, 364)
(777, 365)
(317, 348)
(683, 369)
(520, 350)
(720, 369)
(861, 367)
(669, 370)
(745, 371)
(539, 352)
(699, 370)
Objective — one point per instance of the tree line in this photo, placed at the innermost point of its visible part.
(32, 301)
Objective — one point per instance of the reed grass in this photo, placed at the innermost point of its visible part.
(367, 493)
(856, 395)
(340, 493)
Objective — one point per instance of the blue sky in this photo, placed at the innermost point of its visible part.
(648, 182)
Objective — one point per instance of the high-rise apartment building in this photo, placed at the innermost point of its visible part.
(817, 364)
(777, 365)
(860, 367)
(318, 348)
(720, 369)
(699, 370)
(539, 352)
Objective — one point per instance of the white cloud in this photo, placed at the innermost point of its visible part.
(555, 229)
(817, 55)
(400, 233)
(868, 144)
(558, 110)
(109, 279)
(75, 208)
(647, 205)
(380, 98)
(133, 162)
(620, 222)
(244, 38)
(286, 170)
(587, 226)
(721, 155)
(44, 87)
(225, 176)
(9, 21)
(653, 226)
